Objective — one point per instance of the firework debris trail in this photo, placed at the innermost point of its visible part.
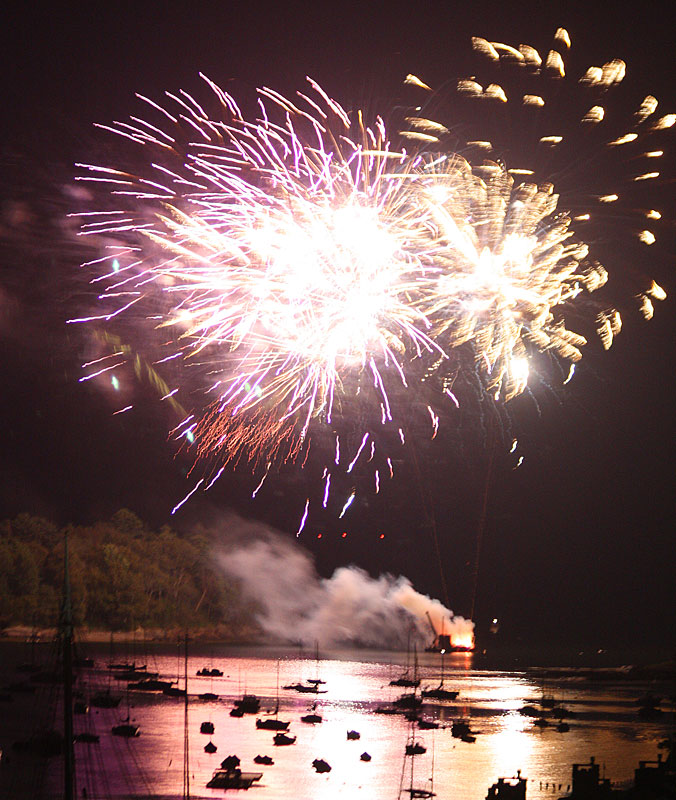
(311, 276)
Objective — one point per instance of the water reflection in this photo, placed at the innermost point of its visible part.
(512, 746)
(605, 725)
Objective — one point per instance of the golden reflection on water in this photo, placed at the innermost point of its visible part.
(511, 746)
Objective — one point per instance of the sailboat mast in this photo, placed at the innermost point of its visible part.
(277, 697)
(186, 738)
(443, 653)
(67, 659)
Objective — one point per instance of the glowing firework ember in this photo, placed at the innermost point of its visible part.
(300, 263)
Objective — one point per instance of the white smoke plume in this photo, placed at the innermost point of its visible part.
(350, 607)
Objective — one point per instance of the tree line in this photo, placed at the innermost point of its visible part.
(123, 575)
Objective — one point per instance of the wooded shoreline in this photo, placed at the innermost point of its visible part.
(124, 577)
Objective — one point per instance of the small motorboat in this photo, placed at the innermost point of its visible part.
(140, 673)
(272, 724)
(210, 747)
(460, 728)
(233, 779)
(249, 704)
(312, 718)
(415, 749)
(207, 696)
(405, 682)
(321, 766)
(263, 760)
(150, 685)
(207, 727)
(174, 691)
(351, 735)
(127, 730)
(281, 739)
(86, 737)
(313, 688)
(365, 756)
(408, 700)
(439, 693)
(209, 672)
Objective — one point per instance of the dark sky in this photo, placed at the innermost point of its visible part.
(578, 542)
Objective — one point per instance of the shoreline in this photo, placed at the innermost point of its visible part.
(657, 669)
(24, 633)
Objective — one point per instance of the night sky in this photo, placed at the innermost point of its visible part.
(578, 541)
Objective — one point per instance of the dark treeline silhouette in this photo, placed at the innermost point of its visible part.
(122, 575)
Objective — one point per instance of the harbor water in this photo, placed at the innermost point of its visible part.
(354, 687)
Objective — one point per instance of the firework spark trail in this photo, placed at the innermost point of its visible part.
(188, 496)
(327, 488)
(348, 503)
(303, 518)
(302, 261)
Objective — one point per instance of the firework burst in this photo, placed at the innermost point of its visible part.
(300, 263)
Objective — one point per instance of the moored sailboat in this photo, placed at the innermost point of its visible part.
(272, 722)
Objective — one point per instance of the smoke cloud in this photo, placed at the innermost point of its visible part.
(350, 607)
